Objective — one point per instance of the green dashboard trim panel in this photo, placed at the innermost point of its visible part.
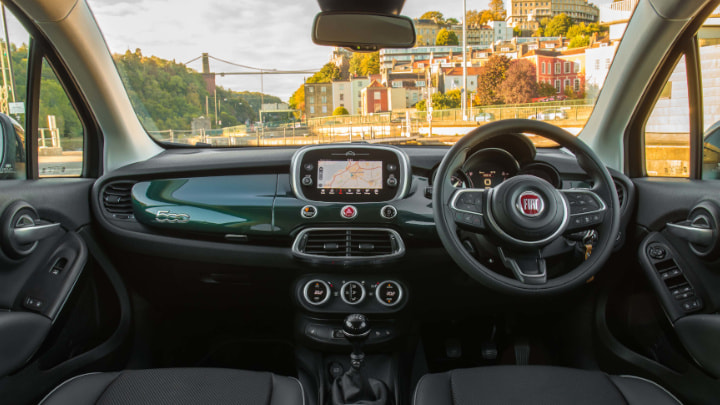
(223, 204)
(262, 205)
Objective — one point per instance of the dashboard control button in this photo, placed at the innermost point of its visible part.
(389, 293)
(391, 167)
(352, 293)
(316, 292)
(309, 167)
(388, 212)
(392, 181)
(348, 212)
(309, 211)
(307, 181)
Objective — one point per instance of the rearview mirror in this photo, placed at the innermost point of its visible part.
(12, 149)
(363, 31)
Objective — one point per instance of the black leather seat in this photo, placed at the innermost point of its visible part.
(530, 385)
(201, 386)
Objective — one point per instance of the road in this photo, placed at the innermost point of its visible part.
(69, 164)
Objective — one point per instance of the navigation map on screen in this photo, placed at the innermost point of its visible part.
(350, 174)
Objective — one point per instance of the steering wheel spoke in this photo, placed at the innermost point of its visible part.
(527, 268)
(587, 209)
(468, 208)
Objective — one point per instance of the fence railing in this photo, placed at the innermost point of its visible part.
(382, 126)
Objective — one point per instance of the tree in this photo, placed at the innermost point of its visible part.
(354, 66)
(539, 32)
(363, 64)
(440, 101)
(451, 99)
(558, 26)
(433, 15)
(479, 18)
(169, 95)
(546, 90)
(371, 63)
(472, 17)
(452, 20)
(297, 100)
(580, 34)
(579, 41)
(341, 111)
(327, 73)
(486, 16)
(445, 37)
(520, 83)
(490, 77)
(497, 7)
(572, 94)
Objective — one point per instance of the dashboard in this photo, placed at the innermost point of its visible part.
(322, 205)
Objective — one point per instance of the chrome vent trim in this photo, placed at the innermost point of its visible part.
(117, 200)
(343, 244)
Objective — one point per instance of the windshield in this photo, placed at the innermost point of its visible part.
(246, 73)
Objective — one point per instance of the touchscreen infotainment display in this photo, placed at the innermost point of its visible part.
(350, 174)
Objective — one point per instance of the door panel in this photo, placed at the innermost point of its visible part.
(37, 277)
(684, 277)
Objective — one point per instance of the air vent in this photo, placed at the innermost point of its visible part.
(117, 199)
(620, 189)
(348, 243)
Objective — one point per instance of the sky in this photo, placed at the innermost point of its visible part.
(269, 34)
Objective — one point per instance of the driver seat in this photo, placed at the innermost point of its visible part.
(537, 385)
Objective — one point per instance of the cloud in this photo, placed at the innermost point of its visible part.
(262, 33)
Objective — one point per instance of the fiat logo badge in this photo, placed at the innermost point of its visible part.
(530, 204)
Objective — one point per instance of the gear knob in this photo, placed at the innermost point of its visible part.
(356, 327)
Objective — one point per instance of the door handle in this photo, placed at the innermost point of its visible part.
(27, 230)
(697, 231)
(21, 230)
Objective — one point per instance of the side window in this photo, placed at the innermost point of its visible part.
(13, 84)
(709, 43)
(60, 133)
(667, 131)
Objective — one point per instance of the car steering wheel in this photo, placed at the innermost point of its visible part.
(524, 214)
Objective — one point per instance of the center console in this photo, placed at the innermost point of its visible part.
(349, 193)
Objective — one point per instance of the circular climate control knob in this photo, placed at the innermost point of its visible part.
(352, 292)
(389, 293)
(316, 292)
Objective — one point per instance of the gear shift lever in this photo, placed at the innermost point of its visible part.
(356, 330)
(354, 387)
